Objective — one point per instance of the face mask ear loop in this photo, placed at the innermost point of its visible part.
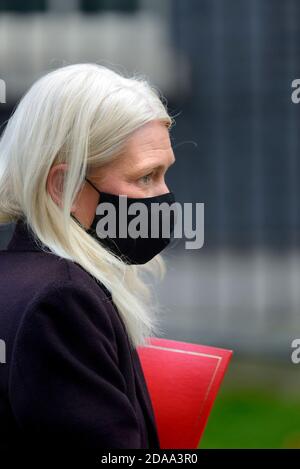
(93, 185)
(91, 230)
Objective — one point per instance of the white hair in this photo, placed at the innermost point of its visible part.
(81, 115)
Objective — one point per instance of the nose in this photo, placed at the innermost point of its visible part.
(163, 188)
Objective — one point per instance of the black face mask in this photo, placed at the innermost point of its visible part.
(142, 249)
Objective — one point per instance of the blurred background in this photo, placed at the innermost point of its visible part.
(226, 70)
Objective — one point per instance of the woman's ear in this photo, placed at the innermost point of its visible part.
(55, 182)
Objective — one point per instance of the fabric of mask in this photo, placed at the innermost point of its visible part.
(141, 249)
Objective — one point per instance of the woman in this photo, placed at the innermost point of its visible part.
(74, 307)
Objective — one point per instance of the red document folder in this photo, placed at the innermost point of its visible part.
(183, 380)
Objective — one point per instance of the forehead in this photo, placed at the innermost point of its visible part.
(149, 144)
(154, 133)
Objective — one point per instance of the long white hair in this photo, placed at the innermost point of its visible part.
(81, 115)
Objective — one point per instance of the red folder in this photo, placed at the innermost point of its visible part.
(183, 380)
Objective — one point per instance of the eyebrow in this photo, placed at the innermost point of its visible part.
(153, 166)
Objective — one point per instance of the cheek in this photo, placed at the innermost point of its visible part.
(129, 187)
(84, 208)
(115, 185)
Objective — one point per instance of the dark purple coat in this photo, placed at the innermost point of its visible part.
(70, 380)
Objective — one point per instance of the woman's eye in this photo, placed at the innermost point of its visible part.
(146, 179)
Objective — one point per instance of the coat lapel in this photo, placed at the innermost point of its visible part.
(145, 400)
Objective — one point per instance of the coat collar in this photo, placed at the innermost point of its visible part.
(24, 239)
